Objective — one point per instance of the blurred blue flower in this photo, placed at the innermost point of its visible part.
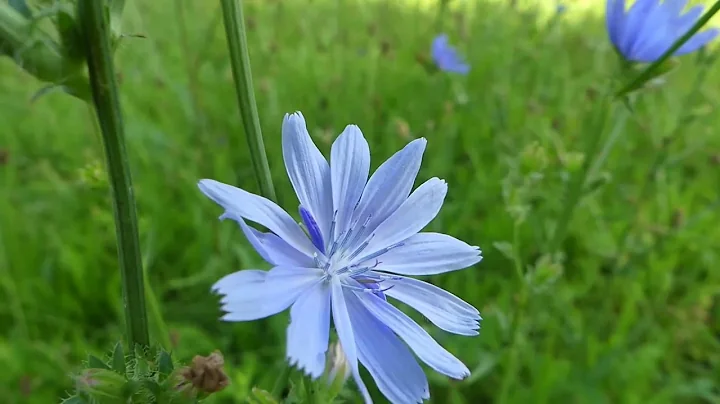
(356, 240)
(446, 56)
(650, 27)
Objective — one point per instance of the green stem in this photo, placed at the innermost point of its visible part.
(240, 61)
(516, 327)
(38, 54)
(310, 393)
(577, 182)
(160, 329)
(282, 381)
(646, 74)
(613, 136)
(92, 16)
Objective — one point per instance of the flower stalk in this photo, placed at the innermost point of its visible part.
(242, 77)
(95, 26)
(649, 71)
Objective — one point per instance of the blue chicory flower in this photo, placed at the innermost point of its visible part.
(446, 56)
(650, 27)
(360, 238)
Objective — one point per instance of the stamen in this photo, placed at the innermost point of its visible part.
(342, 270)
(313, 229)
(358, 270)
(358, 233)
(361, 248)
(380, 252)
(316, 258)
(346, 237)
(368, 290)
(385, 290)
(337, 244)
(372, 287)
(332, 226)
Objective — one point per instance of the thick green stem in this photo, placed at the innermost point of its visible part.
(240, 61)
(38, 54)
(92, 16)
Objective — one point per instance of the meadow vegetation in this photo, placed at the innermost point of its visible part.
(629, 311)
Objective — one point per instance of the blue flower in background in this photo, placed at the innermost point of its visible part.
(357, 239)
(650, 27)
(446, 57)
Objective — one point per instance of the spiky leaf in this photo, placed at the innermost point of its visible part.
(260, 396)
(165, 365)
(118, 359)
(96, 363)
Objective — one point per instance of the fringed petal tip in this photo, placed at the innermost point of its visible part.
(227, 317)
(306, 370)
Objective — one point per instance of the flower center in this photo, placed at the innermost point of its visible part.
(345, 256)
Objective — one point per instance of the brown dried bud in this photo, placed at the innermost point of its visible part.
(205, 373)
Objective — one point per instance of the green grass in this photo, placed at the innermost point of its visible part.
(600, 324)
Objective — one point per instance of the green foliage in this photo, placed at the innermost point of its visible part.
(602, 323)
(144, 378)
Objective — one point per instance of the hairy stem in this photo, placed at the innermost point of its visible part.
(92, 16)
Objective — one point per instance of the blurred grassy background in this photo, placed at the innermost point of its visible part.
(601, 325)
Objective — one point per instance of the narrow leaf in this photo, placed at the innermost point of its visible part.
(118, 359)
(165, 365)
(96, 363)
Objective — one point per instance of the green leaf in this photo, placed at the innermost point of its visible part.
(74, 400)
(597, 183)
(486, 364)
(505, 249)
(96, 363)
(260, 396)
(130, 388)
(118, 359)
(70, 36)
(153, 387)
(165, 365)
(21, 7)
